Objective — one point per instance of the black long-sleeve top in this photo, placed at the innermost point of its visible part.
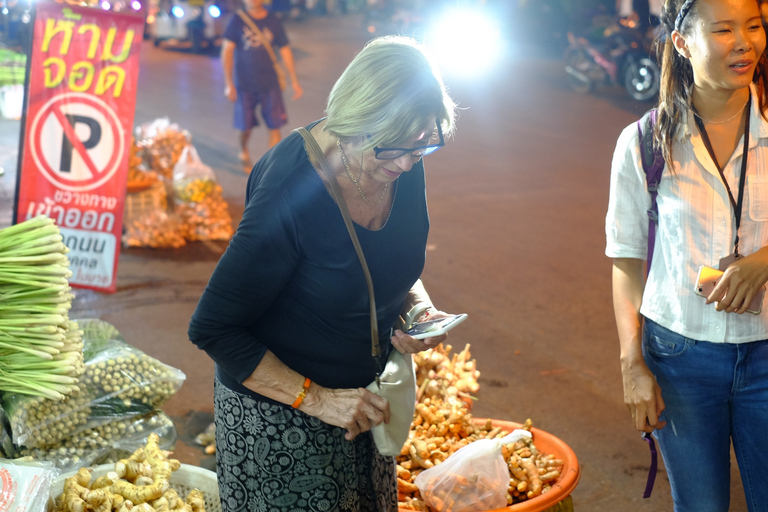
(290, 280)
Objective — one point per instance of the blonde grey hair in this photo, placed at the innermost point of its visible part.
(390, 91)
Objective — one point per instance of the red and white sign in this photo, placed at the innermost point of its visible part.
(81, 97)
(77, 142)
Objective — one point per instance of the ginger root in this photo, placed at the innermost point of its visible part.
(114, 492)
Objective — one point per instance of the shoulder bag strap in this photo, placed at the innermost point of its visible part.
(653, 166)
(266, 44)
(335, 190)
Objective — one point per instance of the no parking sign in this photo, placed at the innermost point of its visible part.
(80, 101)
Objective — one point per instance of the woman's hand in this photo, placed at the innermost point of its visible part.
(406, 344)
(357, 410)
(230, 93)
(740, 283)
(642, 396)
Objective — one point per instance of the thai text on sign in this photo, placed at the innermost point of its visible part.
(81, 97)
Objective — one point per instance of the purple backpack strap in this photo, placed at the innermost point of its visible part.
(653, 165)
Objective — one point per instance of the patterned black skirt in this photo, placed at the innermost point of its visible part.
(277, 459)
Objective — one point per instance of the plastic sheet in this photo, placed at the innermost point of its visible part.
(25, 485)
(106, 443)
(119, 382)
(473, 479)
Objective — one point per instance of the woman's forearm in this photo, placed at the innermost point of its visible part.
(274, 379)
(628, 284)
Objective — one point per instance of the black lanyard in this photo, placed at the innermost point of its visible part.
(735, 204)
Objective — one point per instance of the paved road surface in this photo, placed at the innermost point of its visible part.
(517, 202)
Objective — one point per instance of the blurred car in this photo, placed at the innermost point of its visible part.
(194, 24)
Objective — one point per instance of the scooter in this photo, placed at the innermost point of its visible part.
(382, 17)
(623, 59)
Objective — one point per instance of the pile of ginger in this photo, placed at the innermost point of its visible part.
(442, 424)
(140, 483)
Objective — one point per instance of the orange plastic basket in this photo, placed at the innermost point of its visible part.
(546, 443)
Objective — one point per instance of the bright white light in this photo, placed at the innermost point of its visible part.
(177, 11)
(5, 10)
(136, 5)
(465, 41)
(214, 11)
(106, 5)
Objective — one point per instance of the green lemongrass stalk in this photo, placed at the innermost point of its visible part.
(56, 270)
(74, 331)
(71, 356)
(73, 342)
(32, 280)
(51, 335)
(31, 321)
(12, 291)
(27, 388)
(54, 366)
(64, 299)
(59, 344)
(74, 368)
(38, 331)
(17, 230)
(44, 351)
(41, 377)
(30, 387)
(32, 309)
(49, 297)
(42, 258)
(10, 311)
(47, 283)
(74, 349)
(46, 332)
(56, 248)
(39, 353)
(40, 238)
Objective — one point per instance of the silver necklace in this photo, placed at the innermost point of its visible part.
(721, 122)
(357, 181)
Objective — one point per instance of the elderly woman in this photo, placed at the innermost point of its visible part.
(285, 315)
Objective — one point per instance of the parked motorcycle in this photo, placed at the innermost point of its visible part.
(383, 17)
(623, 58)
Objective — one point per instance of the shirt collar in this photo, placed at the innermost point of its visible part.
(758, 126)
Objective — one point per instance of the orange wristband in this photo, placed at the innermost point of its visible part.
(302, 393)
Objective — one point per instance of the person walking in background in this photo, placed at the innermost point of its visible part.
(247, 57)
(695, 369)
(646, 11)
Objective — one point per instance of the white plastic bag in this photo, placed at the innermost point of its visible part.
(193, 181)
(472, 479)
(25, 485)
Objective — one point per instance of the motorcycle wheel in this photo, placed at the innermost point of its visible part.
(577, 67)
(641, 78)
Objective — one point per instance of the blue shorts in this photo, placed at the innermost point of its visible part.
(272, 109)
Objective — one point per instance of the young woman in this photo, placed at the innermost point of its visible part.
(695, 369)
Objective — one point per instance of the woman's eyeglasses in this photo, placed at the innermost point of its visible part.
(393, 153)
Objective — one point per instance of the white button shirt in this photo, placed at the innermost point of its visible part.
(697, 226)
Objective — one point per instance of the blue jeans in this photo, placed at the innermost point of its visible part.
(714, 393)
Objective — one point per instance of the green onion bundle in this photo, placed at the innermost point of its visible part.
(40, 348)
